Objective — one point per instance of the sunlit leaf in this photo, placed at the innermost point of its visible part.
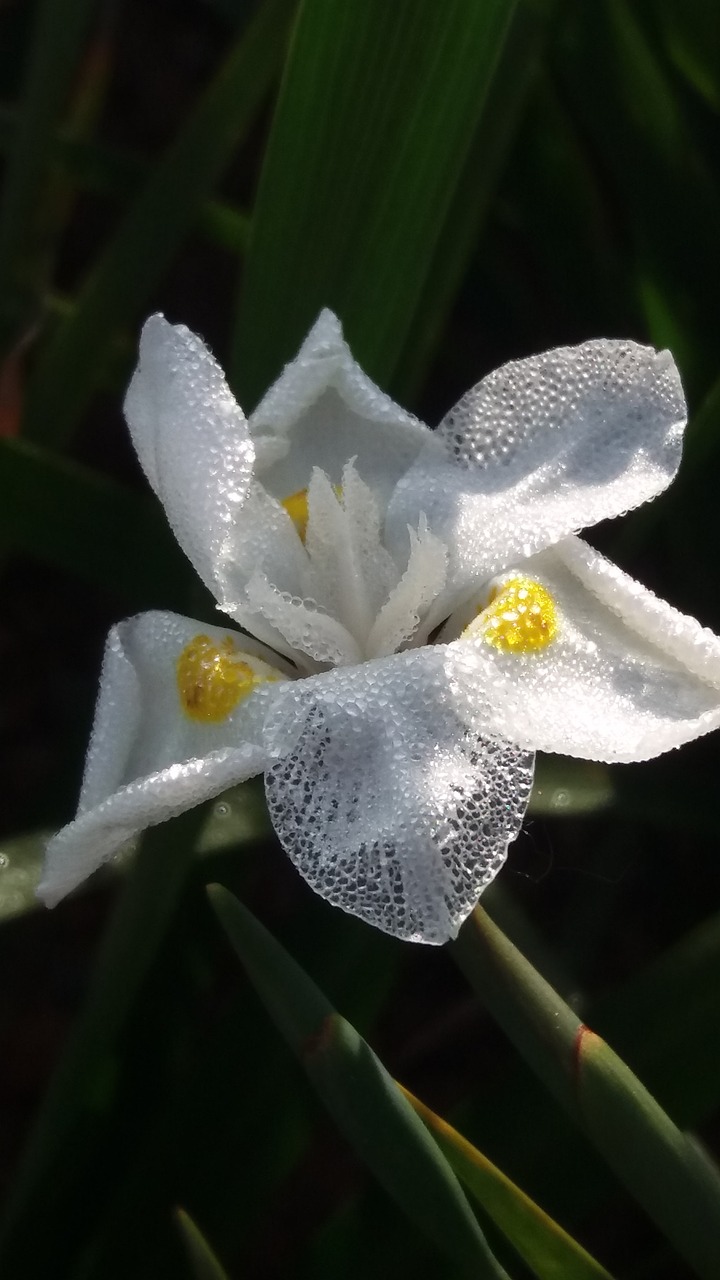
(360, 1095)
(647, 1152)
(375, 122)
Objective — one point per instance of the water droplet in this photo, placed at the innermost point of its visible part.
(4, 861)
(561, 799)
(222, 809)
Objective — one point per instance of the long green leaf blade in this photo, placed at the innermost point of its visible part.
(360, 1095)
(58, 38)
(657, 1163)
(540, 1241)
(82, 1088)
(83, 522)
(125, 276)
(376, 117)
(204, 1264)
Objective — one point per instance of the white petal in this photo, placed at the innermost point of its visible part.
(352, 571)
(147, 759)
(542, 448)
(263, 539)
(627, 677)
(387, 798)
(421, 584)
(305, 628)
(326, 411)
(191, 438)
(94, 837)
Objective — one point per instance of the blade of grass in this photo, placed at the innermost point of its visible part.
(666, 1023)
(360, 1095)
(376, 117)
(657, 1163)
(82, 1088)
(60, 30)
(205, 1265)
(540, 1241)
(516, 69)
(87, 524)
(120, 174)
(76, 355)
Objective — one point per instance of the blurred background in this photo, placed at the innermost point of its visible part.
(464, 185)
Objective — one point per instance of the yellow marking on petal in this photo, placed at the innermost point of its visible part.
(213, 678)
(521, 617)
(297, 508)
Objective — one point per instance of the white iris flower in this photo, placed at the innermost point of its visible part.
(417, 616)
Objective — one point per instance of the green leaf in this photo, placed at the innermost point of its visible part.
(75, 518)
(565, 787)
(666, 1022)
(516, 69)
(119, 175)
(377, 114)
(360, 1095)
(83, 1087)
(205, 1265)
(657, 1163)
(540, 1241)
(55, 48)
(125, 276)
(21, 861)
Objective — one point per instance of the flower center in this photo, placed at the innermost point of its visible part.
(213, 678)
(520, 617)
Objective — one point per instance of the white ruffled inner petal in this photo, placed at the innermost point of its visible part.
(338, 569)
(421, 584)
(263, 539)
(627, 677)
(192, 440)
(303, 625)
(147, 759)
(388, 797)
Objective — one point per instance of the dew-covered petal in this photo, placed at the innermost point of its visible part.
(626, 677)
(263, 539)
(409, 602)
(302, 624)
(544, 447)
(388, 797)
(150, 759)
(192, 440)
(322, 411)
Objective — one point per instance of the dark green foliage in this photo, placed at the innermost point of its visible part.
(465, 183)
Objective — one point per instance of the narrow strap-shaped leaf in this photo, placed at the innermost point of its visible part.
(122, 280)
(513, 77)
(81, 521)
(205, 1265)
(376, 117)
(666, 1022)
(94, 166)
(358, 1092)
(55, 48)
(543, 1244)
(658, 1164)
(81, 1089)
